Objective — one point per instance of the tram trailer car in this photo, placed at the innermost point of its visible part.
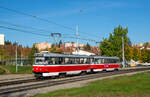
(102, 63)
(53, 64)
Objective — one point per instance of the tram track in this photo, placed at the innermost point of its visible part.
(24, 80)
(49, 83)
(6, 83)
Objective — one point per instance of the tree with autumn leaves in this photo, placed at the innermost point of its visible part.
(8, 52)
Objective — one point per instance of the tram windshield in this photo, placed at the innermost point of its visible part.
(39, 60)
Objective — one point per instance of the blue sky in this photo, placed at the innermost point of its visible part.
(96, 19)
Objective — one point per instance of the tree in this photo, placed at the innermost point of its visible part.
(145, 56)
(32, 53)
(113, 45)
(87, 47)
(136, 54)
(60, 43)
(146, 45)
(105, 47)
(2, 53)
(55, 50)
(128, 53)
(26, 51)
(148, 56)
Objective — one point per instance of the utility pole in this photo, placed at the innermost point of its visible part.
(123, 59)
(16, 58)
(21, 58)
(55, 36)
(77, 38)
(97, 45)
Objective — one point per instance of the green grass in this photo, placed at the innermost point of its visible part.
(21, 69)
(126, 86)
(2, 71)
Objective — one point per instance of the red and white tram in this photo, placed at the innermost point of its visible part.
(101, 63)
(53, 64)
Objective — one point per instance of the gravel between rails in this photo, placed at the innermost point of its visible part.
(19, 81)
(51, 83)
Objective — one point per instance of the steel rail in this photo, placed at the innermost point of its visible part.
(64, 81)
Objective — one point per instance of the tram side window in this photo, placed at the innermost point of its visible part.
(67, 61)
(102, 61)
(98, 61)
(49, 60)
(91, 61)
(111, 61)
(117, 61)
(84, 61)
(61, 60)
(106, 61)
(114, 61)
(72, 60)
(77, 61)
(81, 60)
(88, 61)
(95, 61)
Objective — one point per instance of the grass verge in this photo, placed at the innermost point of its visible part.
(125, 86)
(12, 69)
(2, 71)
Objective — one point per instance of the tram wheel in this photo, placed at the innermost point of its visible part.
(62, 75)
(83, 73)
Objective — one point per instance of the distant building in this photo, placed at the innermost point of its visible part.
(81, 46)
(2, 39)
(143, 46)
(70, 44)
(139, 44)
(43, 46)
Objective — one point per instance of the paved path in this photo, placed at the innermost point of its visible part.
(14, 76)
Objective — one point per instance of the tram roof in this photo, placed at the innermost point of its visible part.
(60, 55)
(105, 57)
(47, 54)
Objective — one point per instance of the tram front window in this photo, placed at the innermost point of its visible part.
(39, 61)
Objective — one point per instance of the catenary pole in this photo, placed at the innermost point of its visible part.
(123, 59)
(16, 58)
(77, 38)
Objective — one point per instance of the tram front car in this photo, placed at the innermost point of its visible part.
(39, 66)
